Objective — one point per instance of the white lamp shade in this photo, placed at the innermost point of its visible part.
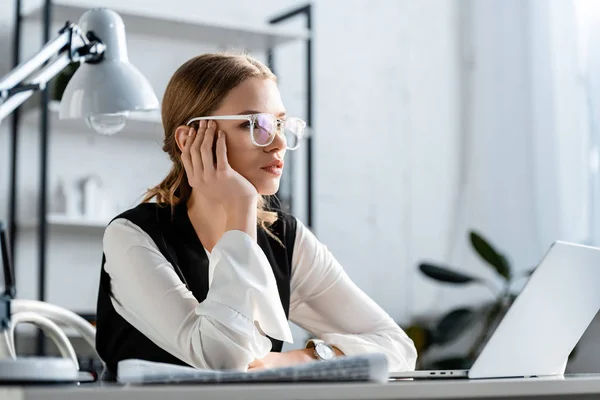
(106, 88)
(112, 85)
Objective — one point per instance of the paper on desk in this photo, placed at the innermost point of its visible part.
(366, 367)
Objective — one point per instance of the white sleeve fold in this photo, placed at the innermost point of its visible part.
(242, 279)
(226, 330)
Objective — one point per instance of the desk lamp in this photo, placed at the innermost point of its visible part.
(103, 90)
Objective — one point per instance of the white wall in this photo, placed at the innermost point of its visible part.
(387, 121)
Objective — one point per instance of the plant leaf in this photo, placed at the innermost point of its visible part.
(489, 254)
(505, 270)
(444, 274)
(454, 362)
(421, 337)
(452, 325)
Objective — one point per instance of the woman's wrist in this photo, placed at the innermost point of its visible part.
(306, 355)
(241, 216)
(240, 203)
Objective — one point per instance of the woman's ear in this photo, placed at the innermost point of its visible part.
(182, 134)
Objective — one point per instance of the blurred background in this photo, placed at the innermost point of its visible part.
(444, 133)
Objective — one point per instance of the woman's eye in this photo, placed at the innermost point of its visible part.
(245, 125)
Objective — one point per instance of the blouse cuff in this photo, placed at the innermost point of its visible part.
(230, 319)
(242, 279)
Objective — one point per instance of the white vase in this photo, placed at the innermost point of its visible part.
(92, 197)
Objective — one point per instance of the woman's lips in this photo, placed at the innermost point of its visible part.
(274, 167)
(273, 170)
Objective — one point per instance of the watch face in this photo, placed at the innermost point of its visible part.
(324, 351)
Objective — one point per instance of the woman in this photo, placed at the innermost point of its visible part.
(208, 275)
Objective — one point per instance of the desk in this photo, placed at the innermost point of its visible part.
(570, 387)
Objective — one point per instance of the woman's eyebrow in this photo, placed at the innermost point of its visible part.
(280, 114)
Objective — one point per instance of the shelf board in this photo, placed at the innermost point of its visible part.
(139, 125)
(67, 221)
(189, 27)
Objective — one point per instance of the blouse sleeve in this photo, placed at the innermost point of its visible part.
(327, 303)
(228, 329)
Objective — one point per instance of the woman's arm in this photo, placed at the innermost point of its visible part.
(226, 330)
(327, 303)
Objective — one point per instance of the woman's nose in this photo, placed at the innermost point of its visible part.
(279, 141)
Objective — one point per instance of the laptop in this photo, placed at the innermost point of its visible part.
(543, 324)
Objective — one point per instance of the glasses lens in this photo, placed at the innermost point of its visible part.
(294, 132)
(264, 129)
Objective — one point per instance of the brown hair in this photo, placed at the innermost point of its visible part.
(197, 88)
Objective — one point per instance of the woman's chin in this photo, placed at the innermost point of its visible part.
(267, 188)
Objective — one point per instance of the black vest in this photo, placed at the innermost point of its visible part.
(175, 237)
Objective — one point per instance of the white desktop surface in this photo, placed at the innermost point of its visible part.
(572, 387)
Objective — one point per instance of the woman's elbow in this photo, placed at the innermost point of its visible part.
(411, 355)
(224, 356)
(209, 347)
(404, 357)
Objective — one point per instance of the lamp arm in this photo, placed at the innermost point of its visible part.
(71, 46)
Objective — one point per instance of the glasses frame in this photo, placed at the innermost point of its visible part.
(252, 118)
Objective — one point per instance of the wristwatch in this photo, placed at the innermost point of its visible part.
(322, 351)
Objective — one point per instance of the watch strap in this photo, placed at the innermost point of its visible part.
(312, 343)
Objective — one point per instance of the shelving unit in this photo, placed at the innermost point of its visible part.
(139, 125)
(140, 22)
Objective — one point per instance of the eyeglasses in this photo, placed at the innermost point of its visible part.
(264, 127)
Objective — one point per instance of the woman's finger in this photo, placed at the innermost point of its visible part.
(195, 150)
(222, 162)
(186, 156)
(206, 147)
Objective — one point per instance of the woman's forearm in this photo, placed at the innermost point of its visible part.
(242, 217)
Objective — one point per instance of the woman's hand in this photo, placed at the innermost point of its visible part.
(276, 360)
(215, 179)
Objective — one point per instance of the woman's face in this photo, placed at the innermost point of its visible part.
(254, 95)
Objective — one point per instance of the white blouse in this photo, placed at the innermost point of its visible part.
(227, 330)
